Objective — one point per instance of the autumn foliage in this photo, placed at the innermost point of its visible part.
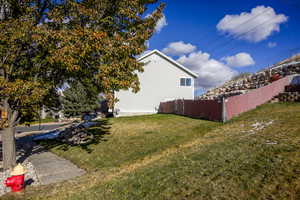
(46, 43)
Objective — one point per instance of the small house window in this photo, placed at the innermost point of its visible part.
(185, 82)
(188, 82)
(182, 82)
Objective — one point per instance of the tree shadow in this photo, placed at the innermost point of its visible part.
(98, 130)
(24, 148)
(27, 147)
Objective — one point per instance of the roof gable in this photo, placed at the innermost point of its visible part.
(180, 66)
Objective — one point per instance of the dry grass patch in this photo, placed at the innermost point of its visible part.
(190, 159)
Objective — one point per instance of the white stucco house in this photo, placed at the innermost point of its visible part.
(163, 79)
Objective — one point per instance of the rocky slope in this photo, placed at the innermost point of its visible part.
(241, 86)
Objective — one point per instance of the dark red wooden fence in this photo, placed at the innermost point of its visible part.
(224, 110)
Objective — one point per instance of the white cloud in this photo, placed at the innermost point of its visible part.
(239, 60)
(147, 43)
(255, 26)
(272, 44)
(162, 22)
(211, 72)
(179, 48)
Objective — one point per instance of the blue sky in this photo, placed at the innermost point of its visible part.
(267, 32)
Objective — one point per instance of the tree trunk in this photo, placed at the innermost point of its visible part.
(8, 137)
(4, 9)
(8, 147)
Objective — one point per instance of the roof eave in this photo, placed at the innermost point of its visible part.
(170, 60)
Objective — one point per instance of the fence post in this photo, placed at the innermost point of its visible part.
(224, 113)
(182, 106)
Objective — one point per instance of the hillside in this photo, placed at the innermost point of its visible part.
(254, 156)
(250, 82)
(293, 58)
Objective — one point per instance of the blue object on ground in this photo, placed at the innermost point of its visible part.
(54, 134)
(46, 136)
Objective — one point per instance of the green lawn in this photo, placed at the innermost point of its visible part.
(173, 157)
(125, 140)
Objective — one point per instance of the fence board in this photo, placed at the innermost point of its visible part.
(206, 109)
(236, 105)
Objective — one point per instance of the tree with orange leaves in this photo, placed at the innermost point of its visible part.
(47, 43)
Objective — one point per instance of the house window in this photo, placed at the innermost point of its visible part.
(188, 82)
(185, 82)
(182, 82)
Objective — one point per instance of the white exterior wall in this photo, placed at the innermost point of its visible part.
(159, 82)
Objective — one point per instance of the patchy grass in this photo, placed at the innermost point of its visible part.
(121, 141)
(233, 161)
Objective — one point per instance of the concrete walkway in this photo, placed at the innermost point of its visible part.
(49, 168)
(53, 169)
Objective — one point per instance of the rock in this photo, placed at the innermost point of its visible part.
(76, 135)
(258, 80)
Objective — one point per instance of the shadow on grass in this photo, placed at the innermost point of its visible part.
(99, 130)
(27, 147)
